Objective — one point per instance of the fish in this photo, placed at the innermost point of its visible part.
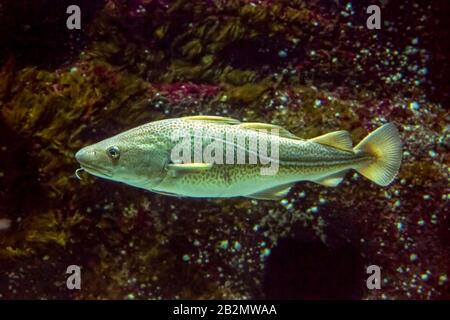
(215, 157)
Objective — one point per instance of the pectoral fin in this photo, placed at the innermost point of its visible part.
(275, 193)
(332, 180)
(338, 139)
(176, 169)
(165, 193)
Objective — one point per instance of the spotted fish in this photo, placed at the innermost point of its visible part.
(144, 157)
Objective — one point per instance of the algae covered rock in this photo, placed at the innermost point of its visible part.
(309, 67)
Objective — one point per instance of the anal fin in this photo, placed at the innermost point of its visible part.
(275, 193)
(332, 180)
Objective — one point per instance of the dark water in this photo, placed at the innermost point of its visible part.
(310, 66)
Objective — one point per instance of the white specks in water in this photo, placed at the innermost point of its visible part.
(284, 99)
(282, 54)
(313, 209)
(423, 71)
(433, 219)
(425, 276)
(223, 244)
(287, 204)
(432, 154)
(414, 106)
(140, 9)
(186, 258)
(237, 246)
(443, 279)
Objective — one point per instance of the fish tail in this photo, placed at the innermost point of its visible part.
(385, 148)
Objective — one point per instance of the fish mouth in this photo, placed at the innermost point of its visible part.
(97, 171)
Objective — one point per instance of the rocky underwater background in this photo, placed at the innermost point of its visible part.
(310, 66)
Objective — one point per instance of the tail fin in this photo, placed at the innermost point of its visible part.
(385, 147)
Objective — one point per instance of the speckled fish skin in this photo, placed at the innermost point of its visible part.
(145, 160)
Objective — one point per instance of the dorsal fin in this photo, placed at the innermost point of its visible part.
(337, 139)
(213, 118)
(275, 193)
(282, 132)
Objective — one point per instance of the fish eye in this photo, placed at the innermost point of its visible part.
(113, 152)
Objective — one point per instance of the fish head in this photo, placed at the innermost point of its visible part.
(135, 161)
